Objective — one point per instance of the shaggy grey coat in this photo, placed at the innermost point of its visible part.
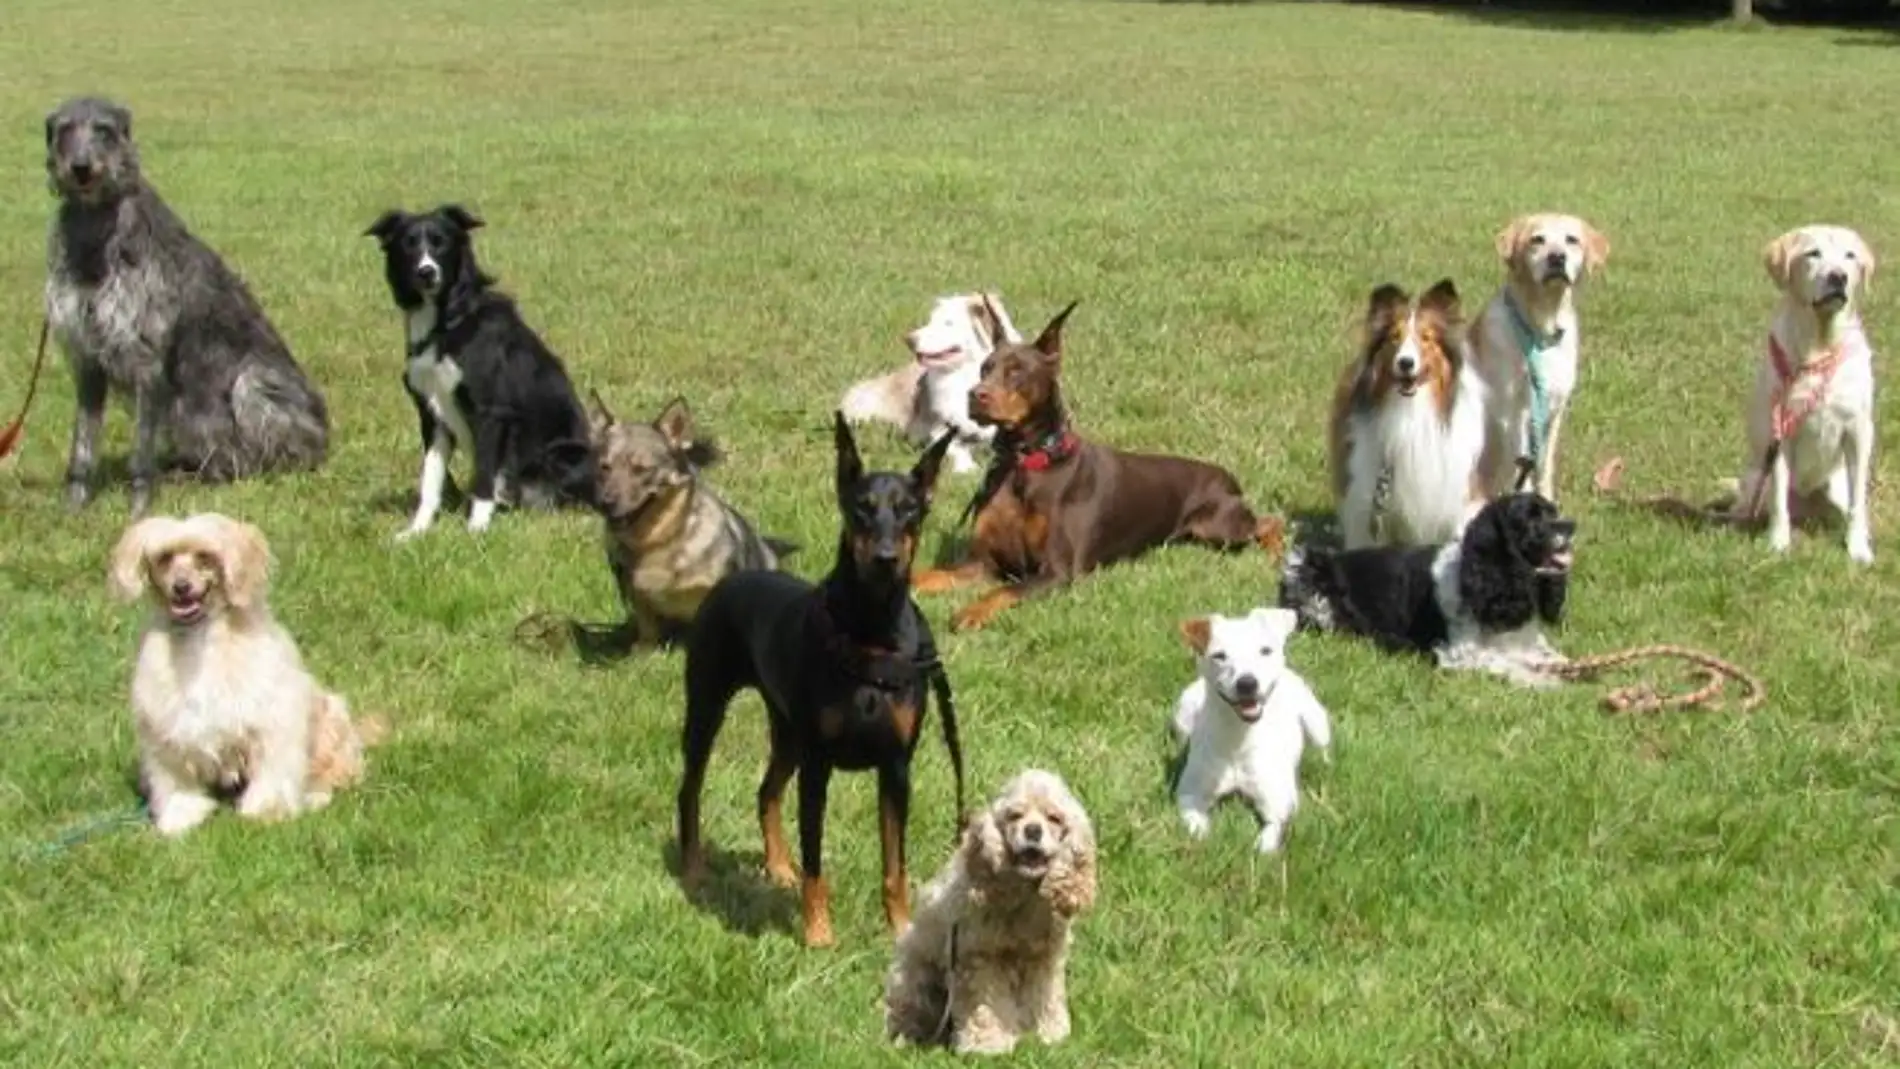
(147, 311)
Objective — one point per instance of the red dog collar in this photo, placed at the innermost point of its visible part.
(1056, 447)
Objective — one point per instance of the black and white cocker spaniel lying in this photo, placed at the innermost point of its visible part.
(1481, 602)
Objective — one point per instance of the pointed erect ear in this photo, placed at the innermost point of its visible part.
(1443, 298)
(602, 417)
(850, 465)
(1195, 632)
(461, 217)
(1382, 308)
(386, 225)
(675, 423)
(924, 476)
(1049, 342)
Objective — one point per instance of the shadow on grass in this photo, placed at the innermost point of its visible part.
(1616, 16)
(596, 645)
(736, 891)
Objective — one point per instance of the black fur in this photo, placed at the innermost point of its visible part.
(514, 394)
(1506, 579)
(842, 667)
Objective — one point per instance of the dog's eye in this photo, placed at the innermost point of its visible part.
(1572, 239)
(1537, 239)
(1218, 655)
(1812, 254)
(104, 131)
(1850, 255)
(1056, 821)
(163, 558)
(1266, 651)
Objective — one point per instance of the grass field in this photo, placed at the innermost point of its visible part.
(746, 203)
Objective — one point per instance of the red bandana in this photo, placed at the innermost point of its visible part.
(1788, 417)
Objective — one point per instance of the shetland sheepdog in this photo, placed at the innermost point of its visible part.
(1408, 424)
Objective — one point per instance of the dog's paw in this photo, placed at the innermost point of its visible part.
(818, 934)
(480, 515)
(266, 807)
(78, 496)
(410, 532)
(181, 813)
(1196, 823)
(1054, 1028)
(1269, 841)
(1780, 537)
(781, 874)
(1860, 548)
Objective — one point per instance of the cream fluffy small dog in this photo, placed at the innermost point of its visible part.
(220, 697)
(985, 958)
(1526, 344)
(1246, 721)
(1814, 390)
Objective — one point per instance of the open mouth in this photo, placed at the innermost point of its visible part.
(1030, 860)
(1407, 384)
(1558, 559)
(940, 357)
(186, 608)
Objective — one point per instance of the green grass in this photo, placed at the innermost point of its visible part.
(746, 203)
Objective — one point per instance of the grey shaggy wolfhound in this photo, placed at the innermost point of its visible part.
(149, 312)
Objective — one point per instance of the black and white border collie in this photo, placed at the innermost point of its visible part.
(1481, 602)
(480, 378)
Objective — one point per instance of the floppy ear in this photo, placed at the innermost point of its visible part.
(1196, 632)
(127, 570)
(850, 465)
(1278, 622)
(1867, 262)
(52, 119)
(1510, 240)
(923, 477)
(1495, 582)
(385, 225)
(1049, 342)
(982, 851)
(1778, 257)
(246, 562)
(1443, 298)
(1596, 250)
(461, 217)
(122, 116)
(1070, 883)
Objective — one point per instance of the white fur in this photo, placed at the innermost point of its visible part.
(1432, 460)
(227, 699)
(1830, 455)
(1260, 761)
(933, 394)
(436, 378)
(1548, 304)
(1523, 656)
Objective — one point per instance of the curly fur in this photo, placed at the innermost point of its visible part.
(220, 697)
(1481, 602)
(984, 961)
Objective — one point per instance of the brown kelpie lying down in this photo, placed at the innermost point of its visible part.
(842, 668)
(1054, 506)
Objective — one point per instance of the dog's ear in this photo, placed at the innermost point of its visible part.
(1049, 342)
(121, 117)
(461, 217)
(675, 423)
(1443, 299)
(1779, 255)
(1596, 250)
(923, 477)
(1495, 581)
(246, 560)
(1511, 239)
(127, 570)
(1383, 308)
(996, 320)
(386, 225)
(1277, 622)
(52, 127)
(599, 417)
(1196, 632)
(1865, 253)
(850, 465)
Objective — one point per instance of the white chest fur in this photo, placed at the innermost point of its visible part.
(436, 378)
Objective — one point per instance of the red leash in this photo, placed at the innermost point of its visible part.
(10, 437)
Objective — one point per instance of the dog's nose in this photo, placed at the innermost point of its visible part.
(1556, 261)
(427, 271)
(1408, 366)
(1032, 833)
(1246, 686)
(82, 171)
(1837, 279)
(181, 587)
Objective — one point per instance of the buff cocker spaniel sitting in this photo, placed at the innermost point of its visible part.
(984, 961)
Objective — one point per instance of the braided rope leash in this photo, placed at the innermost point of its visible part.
(1643, 697)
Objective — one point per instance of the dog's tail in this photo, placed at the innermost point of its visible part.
(887, 397)
(952, 741)
(282, 422)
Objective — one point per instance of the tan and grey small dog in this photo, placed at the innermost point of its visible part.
(670, 538)
(220, 697)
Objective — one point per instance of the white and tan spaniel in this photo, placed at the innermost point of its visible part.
(220, 698)
(1526, 346)
(985, 959)
(1810, 417)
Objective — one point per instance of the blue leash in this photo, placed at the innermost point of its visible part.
(86, 829)
(1534, 346)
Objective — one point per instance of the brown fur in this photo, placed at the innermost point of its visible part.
(1366, 382)
(1040, 529)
